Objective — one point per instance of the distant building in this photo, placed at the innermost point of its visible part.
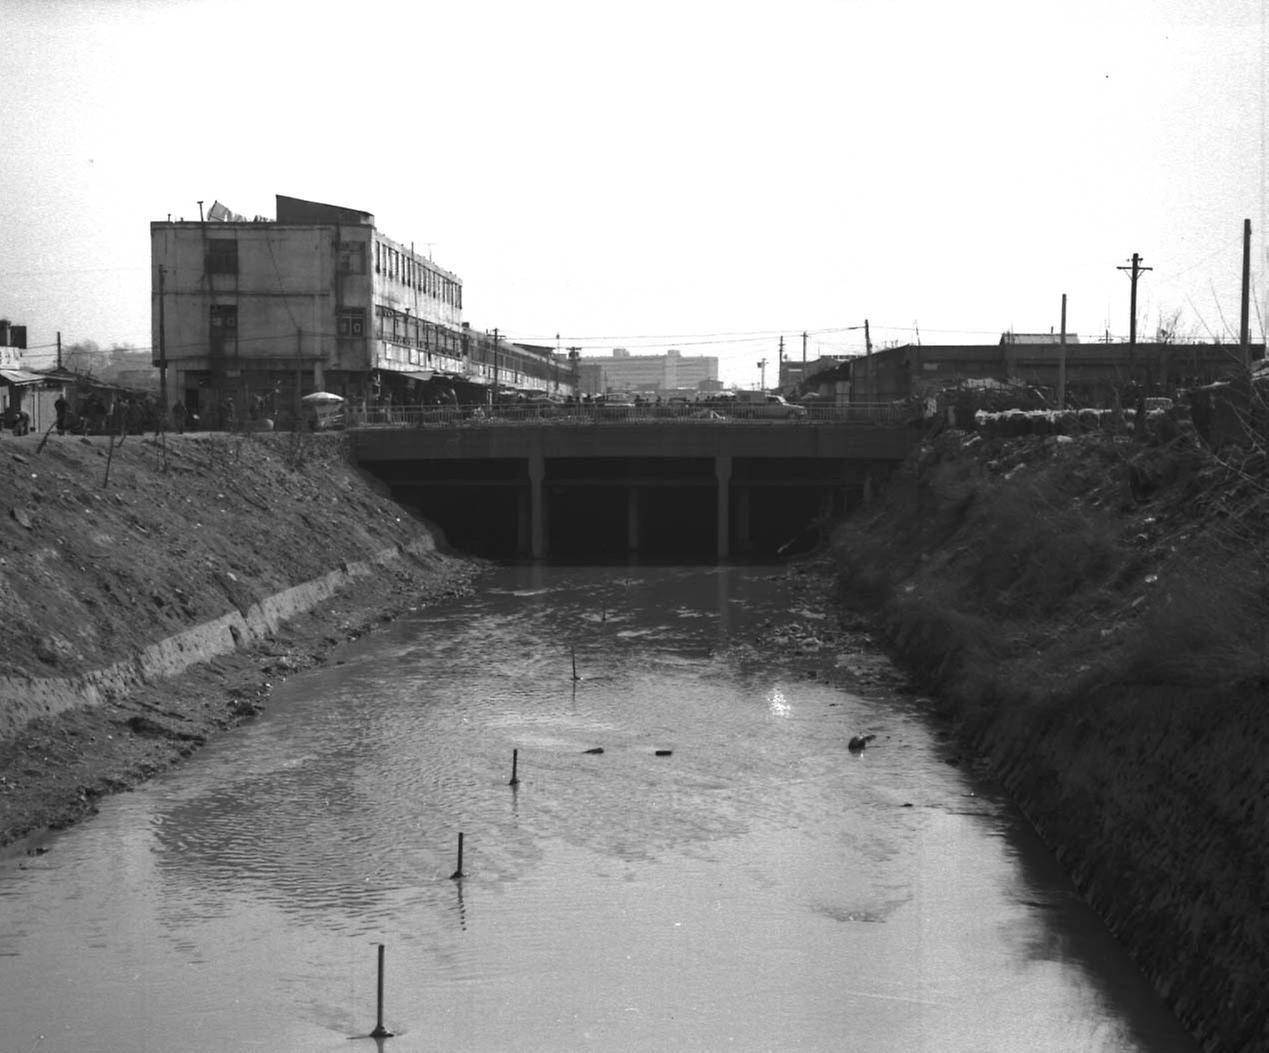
(1037, 338)
(661, 375)
(12, 344)
(17, 383)
(317, 299)
(1095, 373)
(795, 374)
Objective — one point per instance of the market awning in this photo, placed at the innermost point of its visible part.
(21, 376)
(423, 374)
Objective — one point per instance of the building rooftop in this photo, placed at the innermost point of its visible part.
(1038, 338)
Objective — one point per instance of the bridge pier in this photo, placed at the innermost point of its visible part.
(537, 504)
(722, 472)
(634, 499)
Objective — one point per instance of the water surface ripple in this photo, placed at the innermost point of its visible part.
(756, 888)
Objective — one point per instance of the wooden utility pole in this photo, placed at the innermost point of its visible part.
(1244, 328)
(59, 349)
(804, 353)
(762, 366)
(1136, 270)
(1061, 387)
(872, 385)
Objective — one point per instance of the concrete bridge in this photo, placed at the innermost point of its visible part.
(597, 488)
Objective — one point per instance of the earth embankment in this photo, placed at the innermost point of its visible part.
(1092, 612)
(152, 591)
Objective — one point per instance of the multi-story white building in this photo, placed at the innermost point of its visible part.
(650, 374)
(317, 299)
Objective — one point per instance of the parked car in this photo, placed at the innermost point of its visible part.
(617, 407)
(760, 404)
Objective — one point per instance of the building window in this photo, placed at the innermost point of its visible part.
(352, 257)
(223, 338)
(378, 257)
(222, 256)
(224, 317)
(351, 322)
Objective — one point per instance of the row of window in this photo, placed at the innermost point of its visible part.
(404, 268)
(350, 323)
(411, 334)
(350, 258)
(401, 328)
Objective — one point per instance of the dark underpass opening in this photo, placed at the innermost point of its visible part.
(480, 521)
(615, 510)
(589, 523)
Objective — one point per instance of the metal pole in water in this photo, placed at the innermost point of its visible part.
(459, 872)
(380, 1031)
(514, 758)
(573, 651)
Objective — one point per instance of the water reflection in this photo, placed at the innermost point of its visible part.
(724, 872)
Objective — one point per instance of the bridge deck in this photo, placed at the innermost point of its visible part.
(651, 438)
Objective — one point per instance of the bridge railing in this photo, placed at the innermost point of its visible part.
(609, 413)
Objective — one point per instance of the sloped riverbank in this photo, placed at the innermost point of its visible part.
(152, 593)
(1092, 612)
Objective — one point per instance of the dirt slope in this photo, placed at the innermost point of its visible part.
(106, 551)
(1094, 612)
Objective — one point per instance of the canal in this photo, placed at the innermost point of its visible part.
(724, 874)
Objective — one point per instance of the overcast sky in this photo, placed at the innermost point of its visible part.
(687, 174)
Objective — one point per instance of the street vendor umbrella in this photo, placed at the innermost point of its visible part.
(321, 397)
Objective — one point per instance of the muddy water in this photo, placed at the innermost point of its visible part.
(759, 888)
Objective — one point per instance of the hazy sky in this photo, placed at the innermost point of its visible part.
(648, 175)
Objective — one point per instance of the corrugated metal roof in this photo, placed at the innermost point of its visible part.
(21, 376)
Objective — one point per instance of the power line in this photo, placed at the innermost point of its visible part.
(1210, 256)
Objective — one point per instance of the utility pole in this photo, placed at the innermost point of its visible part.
(1244, 328)
(1061, 387)
(803, 354)
(762, 365)
(1136, 270)
(780, 364)
(871, 385)
(162, 348)
(59, 349)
